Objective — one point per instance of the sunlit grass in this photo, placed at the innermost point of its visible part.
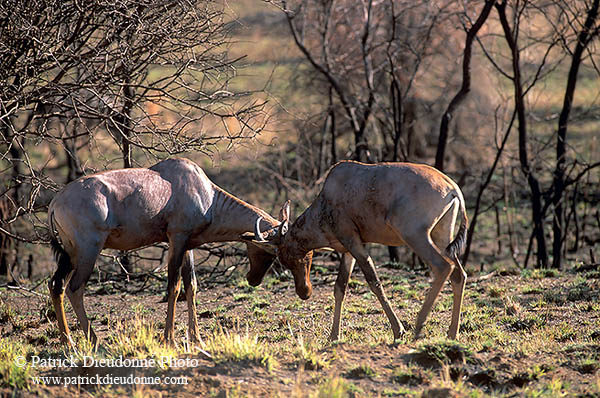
(335, 387)
(12, 356)
(138, 338)
(225, 346)
(308, 356)
(505, 318)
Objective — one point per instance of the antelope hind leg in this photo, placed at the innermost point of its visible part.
(176, 253)
(189, 284)
(458, 279)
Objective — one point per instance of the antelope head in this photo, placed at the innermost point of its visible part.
(286, 248)
(261, 250)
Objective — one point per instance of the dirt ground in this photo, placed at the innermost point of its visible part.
(527, 334)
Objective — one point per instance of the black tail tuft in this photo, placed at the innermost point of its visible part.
(62, 257)
(456, 247)
(64, 266)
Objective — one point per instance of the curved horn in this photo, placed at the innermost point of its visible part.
(257, 234)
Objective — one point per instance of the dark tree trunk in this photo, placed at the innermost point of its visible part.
(482, 188)
(465, 87)
(10, 197)
(534, 186)
(5, 241)
(558, 224)
(124, 125)
(396, 100)
(73, 163)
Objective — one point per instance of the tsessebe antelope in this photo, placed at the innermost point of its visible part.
(172, 201)
(388, 203)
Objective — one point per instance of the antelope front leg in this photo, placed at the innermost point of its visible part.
(368, 268)
(341, 285)
(190, 286)
(176, 253)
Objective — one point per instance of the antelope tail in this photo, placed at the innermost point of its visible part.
(456, 247)
(60, 254)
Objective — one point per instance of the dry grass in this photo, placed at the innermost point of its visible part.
(516, 341)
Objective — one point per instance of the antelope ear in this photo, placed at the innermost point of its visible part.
(283, 228)
(249, 237)
(266, 246)
(284, 213)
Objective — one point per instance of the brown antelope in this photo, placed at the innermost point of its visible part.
(388, 203)
(172, 201)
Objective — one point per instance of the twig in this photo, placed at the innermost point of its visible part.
(18, 287)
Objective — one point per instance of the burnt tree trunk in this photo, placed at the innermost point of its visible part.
(558, 225)
(124, 125)
(73, 163)
(534, 186)
(465, 87)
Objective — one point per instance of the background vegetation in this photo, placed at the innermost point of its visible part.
(504, 96)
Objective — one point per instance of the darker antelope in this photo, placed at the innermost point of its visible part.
(172, 201)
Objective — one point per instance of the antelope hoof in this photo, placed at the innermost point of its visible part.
(399, 333)
(67, 340)
(253, 280)
(195, 338)
(169, 340)
(417, 334)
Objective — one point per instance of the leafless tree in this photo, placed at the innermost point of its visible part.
(541, 38)
(465, 86)
(370, 54)
(110, 83)
(586, 33)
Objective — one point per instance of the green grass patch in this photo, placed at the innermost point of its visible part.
(335, 387)
(136, 339)
(400, 392)
(539, 273)
(532, 290)
(581, 291)
(407, 292)
(554, 388)
(443, 352)
(526, 323)
(563, 332)
(232, 347)
(243, 285)
(587, 365)
(533, 373)
(355, 284)
(308, 355)
(361, 371)
(15, 370)
(411, 375)
(496, 291)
